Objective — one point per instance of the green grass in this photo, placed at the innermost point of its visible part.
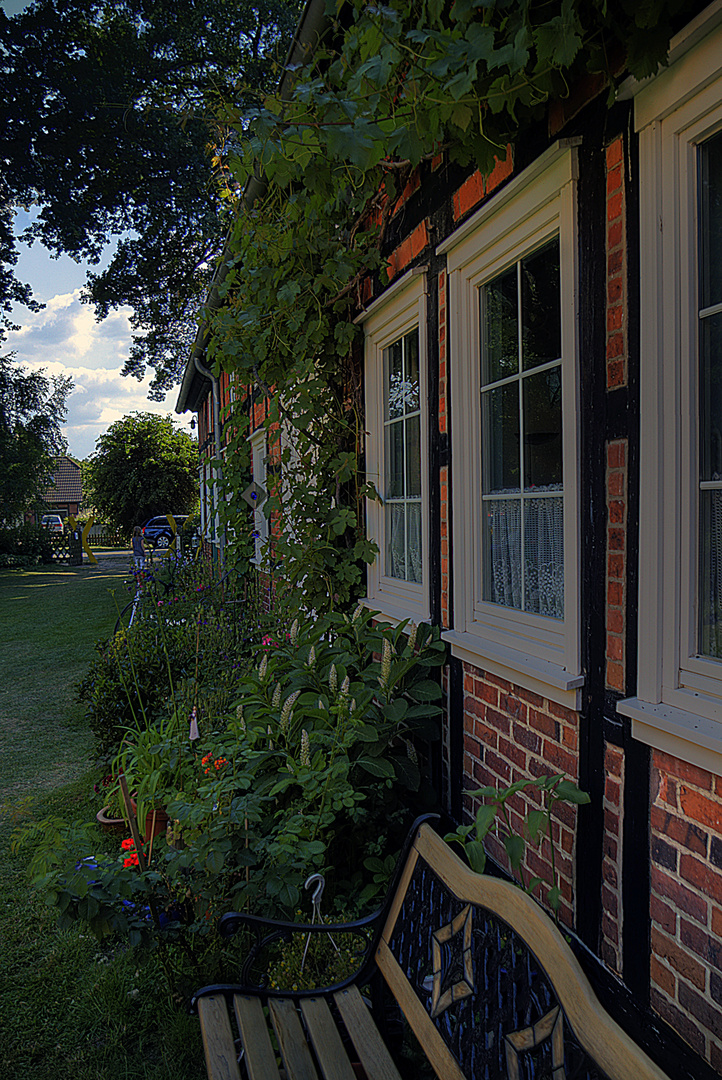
(69, 1008)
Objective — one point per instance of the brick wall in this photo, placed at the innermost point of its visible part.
(616, 268)
(617, 455)
(510, 733)
(478, 187)
(686, 903)
(611, 929)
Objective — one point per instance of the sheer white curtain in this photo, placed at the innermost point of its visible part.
(534, 581)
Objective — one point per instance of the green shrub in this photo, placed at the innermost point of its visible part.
(25, 545)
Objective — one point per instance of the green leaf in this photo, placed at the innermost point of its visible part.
(214, 861)
(476, 855)
(377, 767)
(426, 690)
(485, 818)
(515, 850)
(395, 711)
(407, 772)
(536, 824)
(553, 897)
(567, 791)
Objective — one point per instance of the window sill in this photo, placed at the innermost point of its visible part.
(394, 613)
(549, 680)
(681, 734)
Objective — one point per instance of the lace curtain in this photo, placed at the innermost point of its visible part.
(534, 581)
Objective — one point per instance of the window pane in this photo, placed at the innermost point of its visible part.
(396, 541)
(544, 557)
(710, 397)
(500, 426)
(395, 460)
(543, 429)
(711, 575)
(711, 222)
(499, 320)
(540, 307)
(413, 457)
(393, 366)
(502, 552)
(413, 523)
(411, 372)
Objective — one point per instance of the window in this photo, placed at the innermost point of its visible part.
(679, 118)
(512, 278)
(260, 521)
(396, 449)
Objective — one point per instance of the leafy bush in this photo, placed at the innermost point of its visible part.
(25, 545)
(310, 771)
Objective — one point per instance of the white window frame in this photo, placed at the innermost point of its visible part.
(261, 528)
(401, 309)
(539, 653)
(678, 707)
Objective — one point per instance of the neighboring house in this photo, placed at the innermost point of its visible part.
(544, 413)
(64, 492)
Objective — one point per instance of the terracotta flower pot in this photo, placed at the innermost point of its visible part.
(115, 826)
(156, 821)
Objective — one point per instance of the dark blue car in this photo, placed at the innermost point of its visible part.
(157, 532)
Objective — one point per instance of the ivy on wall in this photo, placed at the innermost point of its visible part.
(389, 88)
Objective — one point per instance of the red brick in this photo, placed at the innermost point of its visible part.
(527, 738)
(610, 901)
(615, 565)
(498, 720)
(617, 454)
(503, 684)
(497, 765)
(700, 1008)
(616, 539)
(716, 922)
(545, 724)
(469, 195)
(614, 206)
(667, 789)
(609, 875)
(688, 835)
(701, 876)
(471, 745)
(677, 1020)
(615, 345)
(501, 170)
(512, 753)
(616, 374)
(512, 706)
(487, 693)
(680, 895)
(615, 647)
(700, 943)
(568, 715)
(616, 511)
(614, 234)
(412, 186)
(615, 263)
(570, 738)
(614, 180)
(484, 734)
(611, 847)
(615, 483)
(615, 676)
(615, 621)
(614, 153)
(615, 595)
(408, 250)
(663, 915)
(678, 958)
(662, 977)
(529, 696)
(560, 759)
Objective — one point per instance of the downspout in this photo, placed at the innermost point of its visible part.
(218, 470)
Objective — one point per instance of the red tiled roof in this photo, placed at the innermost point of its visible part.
(67, 485)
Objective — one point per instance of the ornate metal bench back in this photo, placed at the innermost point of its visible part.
(481, 985)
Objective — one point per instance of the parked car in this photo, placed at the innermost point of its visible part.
(157, 532)
(52, 522)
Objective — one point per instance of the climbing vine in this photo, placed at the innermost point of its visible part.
(389, 88)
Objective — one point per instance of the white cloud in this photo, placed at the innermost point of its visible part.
(65, 339)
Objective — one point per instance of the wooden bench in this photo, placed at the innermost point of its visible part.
(483, 977)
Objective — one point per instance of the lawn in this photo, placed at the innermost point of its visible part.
(69, 1008)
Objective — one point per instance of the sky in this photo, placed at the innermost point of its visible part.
(64, 338)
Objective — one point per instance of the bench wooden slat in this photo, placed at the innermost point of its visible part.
(326, 1040)
(365, 1036)
(217, 1035)
(259, 1056)
(291, 1040)
(440, 1057)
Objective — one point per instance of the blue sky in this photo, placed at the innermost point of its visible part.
(65, 339)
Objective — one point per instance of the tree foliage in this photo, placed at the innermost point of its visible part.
(392, 87)
(107, 109)
(142, 466)
(32, 410)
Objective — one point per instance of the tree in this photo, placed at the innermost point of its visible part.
(109, 120)
(32, 410)
(142, 466)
